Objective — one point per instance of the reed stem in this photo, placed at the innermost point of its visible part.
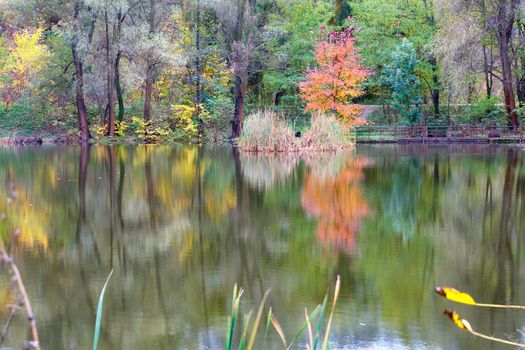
(501, 306)
(27, 304)
(498, 340)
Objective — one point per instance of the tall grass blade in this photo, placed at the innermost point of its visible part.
(334, 303)
(279, 330)
(303, 327)
(320, 321)
(257, 321)
(237, 294)
(247, 319)
(99, 312)
(268, 322)
(310, 333)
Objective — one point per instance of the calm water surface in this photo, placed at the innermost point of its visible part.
(180, 225)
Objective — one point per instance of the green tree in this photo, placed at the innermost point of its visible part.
(296, 28)
(384, 25)
(400, 77)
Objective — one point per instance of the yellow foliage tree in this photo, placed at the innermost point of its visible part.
(26, 56)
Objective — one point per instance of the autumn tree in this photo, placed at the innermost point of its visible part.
(20, 59)
(332, 85)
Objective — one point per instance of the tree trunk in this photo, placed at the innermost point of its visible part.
(198, 70)
(239, 94)
(505, 16)
(434, 91)
(487, 70)
(147, 98)
(435, 103)
(508, 90)
(118, 87)
(110, 82)
(342, 12)
(79, 88)
(151, 66)
(521, 83)
(487, 61)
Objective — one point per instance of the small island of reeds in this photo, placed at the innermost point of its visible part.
(267, 132)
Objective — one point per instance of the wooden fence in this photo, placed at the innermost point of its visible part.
(438, 134)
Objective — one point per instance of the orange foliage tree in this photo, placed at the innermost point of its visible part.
(331, 86)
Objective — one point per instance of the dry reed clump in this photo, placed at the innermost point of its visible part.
(265, 131)
(325, 134)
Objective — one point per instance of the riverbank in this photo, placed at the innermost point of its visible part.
(266, 132)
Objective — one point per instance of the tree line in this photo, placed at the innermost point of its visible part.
(196, 67)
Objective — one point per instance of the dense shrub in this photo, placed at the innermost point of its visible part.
(148, 132)
(486, 111)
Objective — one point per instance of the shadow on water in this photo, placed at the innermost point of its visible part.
(180, 225)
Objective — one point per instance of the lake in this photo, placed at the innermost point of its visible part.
(180, 225)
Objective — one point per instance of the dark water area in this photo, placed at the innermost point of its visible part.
(180, 225)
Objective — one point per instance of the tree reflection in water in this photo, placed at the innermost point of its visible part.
(181, 225)
(336, 200)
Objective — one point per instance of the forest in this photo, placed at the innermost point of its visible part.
(196, 69)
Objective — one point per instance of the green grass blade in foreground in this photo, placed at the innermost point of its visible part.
(304, 326)
(247, 318)
(320, 321)
(268, 321)
(233, 319)
(99, 312)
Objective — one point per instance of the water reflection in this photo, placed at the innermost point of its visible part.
(336, 199)
(181, 224)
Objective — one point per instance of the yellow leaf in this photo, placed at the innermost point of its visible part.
(461, 323)
(455, 295)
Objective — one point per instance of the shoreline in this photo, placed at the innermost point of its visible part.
(64, 140)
